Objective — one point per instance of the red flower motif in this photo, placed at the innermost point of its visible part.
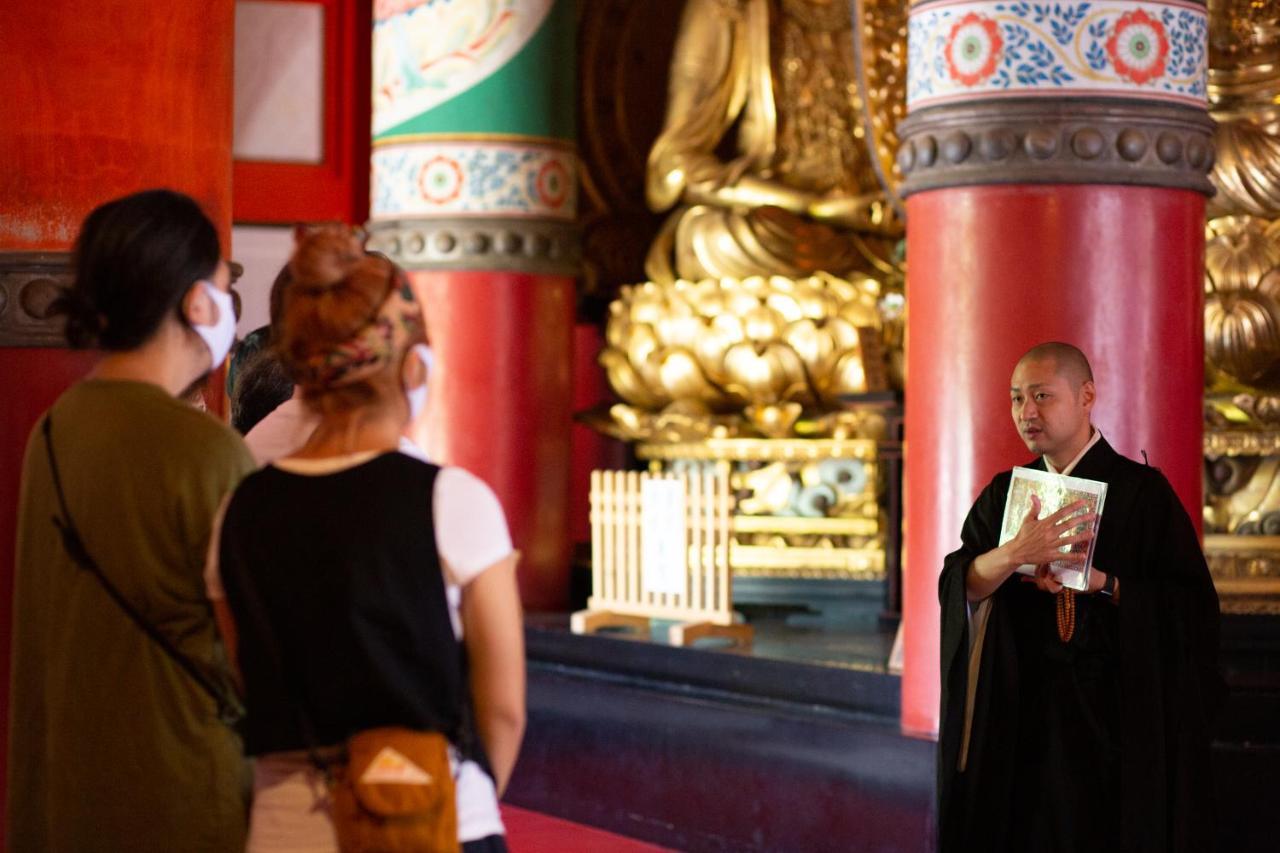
(552, 183)
(440, 180)
(973, 49)
(1138, 47)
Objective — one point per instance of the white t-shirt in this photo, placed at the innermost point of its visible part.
(471, 535)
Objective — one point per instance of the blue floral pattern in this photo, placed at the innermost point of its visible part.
(1056, 48)
(472, 177)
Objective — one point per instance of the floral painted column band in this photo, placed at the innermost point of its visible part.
(474, 163)
(1077, 76)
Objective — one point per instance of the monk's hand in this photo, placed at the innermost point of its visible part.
(1038, 543)
(1044, 580)
(1040, 540)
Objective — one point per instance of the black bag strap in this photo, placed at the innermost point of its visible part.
(229, 709)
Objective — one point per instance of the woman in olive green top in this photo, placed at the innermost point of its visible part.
(112, 744)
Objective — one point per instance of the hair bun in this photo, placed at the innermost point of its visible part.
(84, 324)
(324, 257)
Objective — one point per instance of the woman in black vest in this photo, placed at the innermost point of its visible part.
(355, 574)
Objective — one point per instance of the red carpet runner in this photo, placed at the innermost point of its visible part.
(531, 832)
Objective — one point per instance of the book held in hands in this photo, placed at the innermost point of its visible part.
(1055, 491)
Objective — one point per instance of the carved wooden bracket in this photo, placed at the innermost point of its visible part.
(30, 282)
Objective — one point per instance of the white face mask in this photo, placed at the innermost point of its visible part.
(417, 397)
(218, 337)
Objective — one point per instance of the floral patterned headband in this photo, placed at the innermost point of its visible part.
(393, 329)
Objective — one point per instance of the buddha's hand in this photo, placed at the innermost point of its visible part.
(867, 212)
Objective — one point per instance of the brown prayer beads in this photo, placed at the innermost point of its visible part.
(1066, 601)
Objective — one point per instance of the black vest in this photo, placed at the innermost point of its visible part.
(343, 569)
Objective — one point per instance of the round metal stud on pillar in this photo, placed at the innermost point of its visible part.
(474, 193)
(1055, 160)
(99, 101)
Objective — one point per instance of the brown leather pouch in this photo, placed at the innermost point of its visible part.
(396, 794)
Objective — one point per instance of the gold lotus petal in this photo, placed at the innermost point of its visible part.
(626, 381)
(849, 376)
(715, 340)
(615, 329)
(867, 288)
(815, 303)
(708, 299)
(813, 343)
(842, 290)
(797, 380)
(647, 309)
(681, 377)
(861, 314)
(740, 302)
(786, 305)
(844, 334)
(682, 331)
(639, 342)
(754, 373)
(763, 324)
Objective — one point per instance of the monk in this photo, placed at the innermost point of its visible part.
(1076, 721)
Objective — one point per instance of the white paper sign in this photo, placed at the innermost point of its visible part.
(662, 537)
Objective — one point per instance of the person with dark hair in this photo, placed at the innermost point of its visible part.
(261, 384)
(121, 701)
(411, 616)
(1077, 721)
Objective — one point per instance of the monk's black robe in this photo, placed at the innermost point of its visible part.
(1102, 743)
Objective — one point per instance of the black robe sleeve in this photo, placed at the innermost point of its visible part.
(1170, 685)
(980, 534)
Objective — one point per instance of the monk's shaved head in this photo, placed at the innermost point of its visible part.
(1069, 361)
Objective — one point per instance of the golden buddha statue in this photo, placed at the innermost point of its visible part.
(774, 298)
(773, 292)
(802, 194)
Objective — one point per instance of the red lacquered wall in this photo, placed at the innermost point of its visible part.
(100, 100)
(994, 270)
(106, 98)
(503, 402)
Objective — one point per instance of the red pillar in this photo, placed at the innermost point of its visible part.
(1073, 213)
(100, 100)
(501, 406)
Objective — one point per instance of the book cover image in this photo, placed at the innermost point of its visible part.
(1055, 491)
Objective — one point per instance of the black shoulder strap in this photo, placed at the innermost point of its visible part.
(229, 709)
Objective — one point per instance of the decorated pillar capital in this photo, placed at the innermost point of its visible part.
(1081, 91)
(474, 163)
